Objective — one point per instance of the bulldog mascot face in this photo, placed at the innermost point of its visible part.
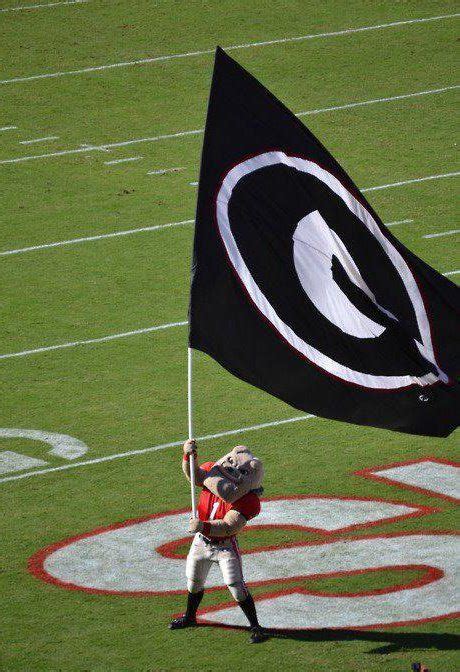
(235, 474)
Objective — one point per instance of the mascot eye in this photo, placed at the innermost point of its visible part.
(243, 471)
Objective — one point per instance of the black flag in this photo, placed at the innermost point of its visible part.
(297, 286)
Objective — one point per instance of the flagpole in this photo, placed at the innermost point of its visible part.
(190, 428)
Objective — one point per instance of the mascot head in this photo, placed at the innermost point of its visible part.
(235, 474)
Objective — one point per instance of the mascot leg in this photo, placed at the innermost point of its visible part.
(199, 561)
(232, 572)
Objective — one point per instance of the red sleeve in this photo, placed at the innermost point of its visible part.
(207, 466)
(248, 505)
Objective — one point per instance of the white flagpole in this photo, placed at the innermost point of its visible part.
(190, 428)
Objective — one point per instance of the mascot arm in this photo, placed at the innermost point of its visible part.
(232, 523)
(200, 474)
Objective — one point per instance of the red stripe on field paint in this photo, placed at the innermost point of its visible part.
(431, 574)
(37, 560)
(368, 472)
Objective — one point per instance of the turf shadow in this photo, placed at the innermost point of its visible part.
(392, 641)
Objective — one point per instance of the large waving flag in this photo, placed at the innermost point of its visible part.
(297, 286)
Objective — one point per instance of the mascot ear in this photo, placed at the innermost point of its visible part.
(257, 470)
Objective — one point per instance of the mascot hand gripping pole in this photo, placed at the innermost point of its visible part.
(229, 498)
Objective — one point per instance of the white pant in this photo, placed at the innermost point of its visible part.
(227, 554)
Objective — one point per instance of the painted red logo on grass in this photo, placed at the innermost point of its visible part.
(145, 556)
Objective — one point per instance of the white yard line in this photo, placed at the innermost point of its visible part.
(102, 148)
(32, 142)
(103, 339)
(248, 45)
(443, 233)
(414, 181)
(86, 239)
(126, 160)
(198, 131)
(111, 337)
(403, 96)
(400, 221)
(7, 128)
(163, 171)
(72, 241)
(151, 449)
(48, 4)
(114, 234)
(129, 158)
(127, 232)
(393, 184)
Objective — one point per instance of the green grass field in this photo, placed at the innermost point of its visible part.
(129, 393)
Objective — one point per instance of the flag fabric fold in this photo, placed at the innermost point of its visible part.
(297, 286)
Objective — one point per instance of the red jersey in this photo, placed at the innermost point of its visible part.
(211, 507)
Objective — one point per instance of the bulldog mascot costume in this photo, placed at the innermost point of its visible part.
(229, 498)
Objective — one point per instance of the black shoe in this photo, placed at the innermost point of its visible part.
(182, 622)
(258, 635)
